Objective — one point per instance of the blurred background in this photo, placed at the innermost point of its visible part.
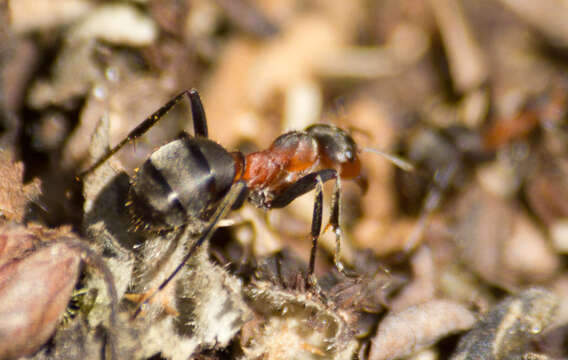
(472, 92)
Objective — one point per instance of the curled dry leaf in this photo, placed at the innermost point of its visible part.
(403, 333)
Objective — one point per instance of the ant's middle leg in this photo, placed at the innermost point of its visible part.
(307, 183)
(199, 125)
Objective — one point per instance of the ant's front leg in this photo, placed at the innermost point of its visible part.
(199, 125)
(307, 183)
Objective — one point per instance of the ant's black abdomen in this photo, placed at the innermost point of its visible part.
(184, 179)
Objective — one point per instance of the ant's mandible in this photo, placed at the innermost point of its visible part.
(194, 181)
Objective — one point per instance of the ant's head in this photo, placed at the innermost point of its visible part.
(337, 149)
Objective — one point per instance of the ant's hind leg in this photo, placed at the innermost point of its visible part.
(198, 113)
(199, 125)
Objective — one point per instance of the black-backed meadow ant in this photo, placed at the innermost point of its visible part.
(194, 182)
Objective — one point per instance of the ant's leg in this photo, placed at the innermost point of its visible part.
(234, 195)
(334, 222)
(334, 218)
(199, 125)
(302, 186)
(307, 183)
(316, 229)
(198, 114)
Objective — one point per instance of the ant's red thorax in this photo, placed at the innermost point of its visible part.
(291, 156)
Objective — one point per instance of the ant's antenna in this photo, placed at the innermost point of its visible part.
(398, 161)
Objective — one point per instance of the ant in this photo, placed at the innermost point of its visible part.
(193, 182)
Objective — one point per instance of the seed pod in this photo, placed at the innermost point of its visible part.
(34, 292)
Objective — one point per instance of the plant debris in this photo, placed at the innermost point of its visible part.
(14, 195)
(505, 331)
(414, 328)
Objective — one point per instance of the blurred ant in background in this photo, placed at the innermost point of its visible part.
(194, 182)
